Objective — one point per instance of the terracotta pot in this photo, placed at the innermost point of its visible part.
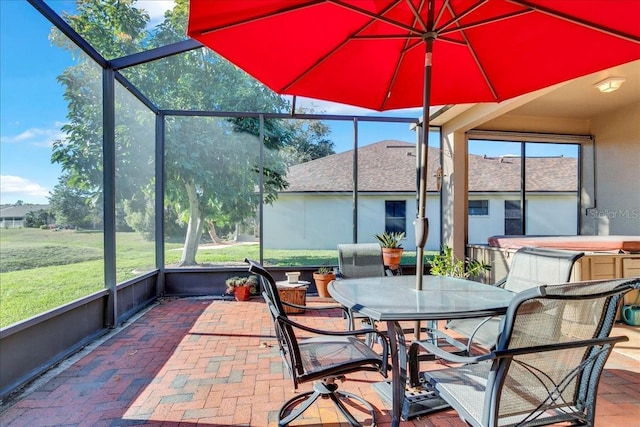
(391, 257)
(322, 281)
(242, 293)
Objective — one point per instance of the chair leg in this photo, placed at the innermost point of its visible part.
(325, 389)
(336, 399)
(307, 400)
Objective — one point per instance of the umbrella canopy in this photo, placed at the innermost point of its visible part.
(390, 54)
(371, 53)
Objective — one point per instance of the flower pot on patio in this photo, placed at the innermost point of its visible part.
(322, 279)
(242, 293)
(391, 248)
(391, 257)
(242, 287)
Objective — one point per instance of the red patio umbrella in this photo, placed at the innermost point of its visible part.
(389, 54)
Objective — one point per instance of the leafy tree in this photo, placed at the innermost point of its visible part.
(72, 206)
(212, 164)
(115, 28)
(309, 141)
(36, 219)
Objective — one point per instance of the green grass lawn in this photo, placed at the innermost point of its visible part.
(44, 269)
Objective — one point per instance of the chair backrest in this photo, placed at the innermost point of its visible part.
(360, 260)
(287, 341)
(539, 266)
(553, 346)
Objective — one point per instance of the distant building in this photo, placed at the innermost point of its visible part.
(316, 210)
(12, 216)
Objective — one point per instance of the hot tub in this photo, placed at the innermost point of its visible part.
(606, 257)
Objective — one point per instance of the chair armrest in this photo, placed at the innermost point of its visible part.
(384, 340)
(356, 332)
(475, 331)
(446, 355)
(509, 353)
(500, 283)
(316, 307)
(345, 312)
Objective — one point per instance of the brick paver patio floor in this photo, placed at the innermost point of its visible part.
(204, 362)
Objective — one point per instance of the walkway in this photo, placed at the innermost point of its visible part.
(188, 362)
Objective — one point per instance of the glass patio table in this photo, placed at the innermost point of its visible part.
(395, 299)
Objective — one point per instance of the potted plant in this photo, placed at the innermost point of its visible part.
(242, 287)
(391, 248)
(446, 264)
(322, 277)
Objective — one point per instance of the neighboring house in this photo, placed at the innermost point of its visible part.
(12, 216)
(317, 209)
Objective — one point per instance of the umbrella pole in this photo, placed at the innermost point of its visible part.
(421, 222)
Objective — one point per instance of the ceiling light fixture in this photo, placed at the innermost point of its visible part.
(609, 85)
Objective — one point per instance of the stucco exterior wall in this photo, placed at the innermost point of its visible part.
(318, 221)
(616, 202)
(300, 221)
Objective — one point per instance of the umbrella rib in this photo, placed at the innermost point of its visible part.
(476, 60)
(405, 49)
(354, 36)
(440, 14)
(416, 14)
(480, 67)
(314, 65)
(387, 37)
(578, 21)
(457, 17)
(484, 22)
(284, 10)
(377, 16)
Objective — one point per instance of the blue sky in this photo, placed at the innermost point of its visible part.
(32, 107)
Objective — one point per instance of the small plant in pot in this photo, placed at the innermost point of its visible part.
(322, 277)
(242, 287)
(446, 264)
(391, 248)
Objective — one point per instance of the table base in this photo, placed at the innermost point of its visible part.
(417, 400)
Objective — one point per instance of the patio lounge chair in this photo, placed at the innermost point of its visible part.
(322, 356)
(553, 345)
(530, 267)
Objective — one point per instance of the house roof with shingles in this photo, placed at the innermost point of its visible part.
(390, 166)
(19, 211)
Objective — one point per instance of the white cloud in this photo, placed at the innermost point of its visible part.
(155, 9)
(14, 188)
(36, 136)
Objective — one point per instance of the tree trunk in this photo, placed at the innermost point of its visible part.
(194, 228)
(211, 226)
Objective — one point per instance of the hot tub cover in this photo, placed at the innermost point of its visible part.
(576, 243)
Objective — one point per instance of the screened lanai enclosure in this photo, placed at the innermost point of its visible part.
(162, 158)
(149, 166)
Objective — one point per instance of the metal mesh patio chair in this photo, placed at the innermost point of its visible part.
(553, 345)
(530, 267)
(321, 356)
(356, 260)
(360, 260)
